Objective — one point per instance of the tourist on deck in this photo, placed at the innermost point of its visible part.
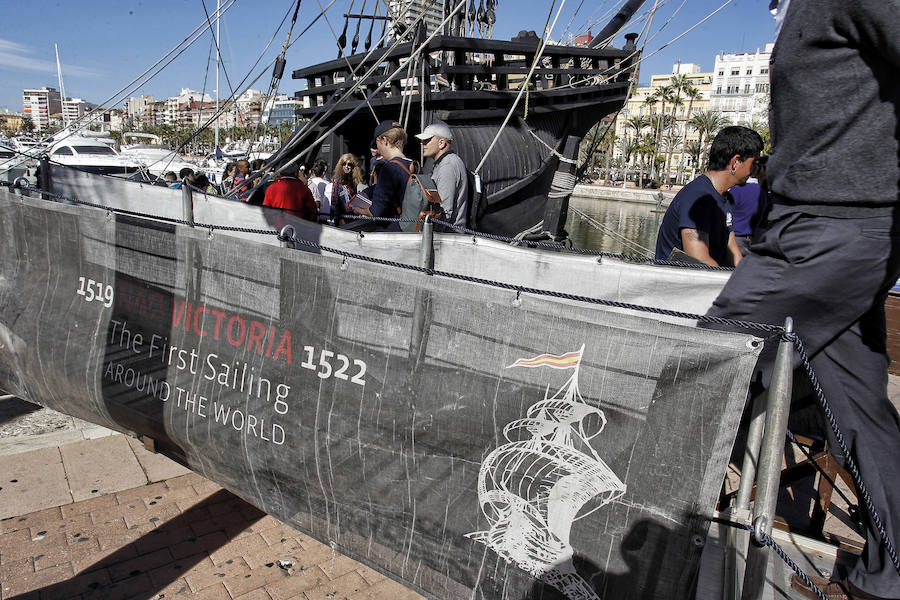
(171, 179)
(390, 187)
(343, 186)
(318, 184)
(831, 248)
(240, 183)
(698, 221)
(185, 174)
(448, 172)
(290, 194)
(749, 203)
(228, 177)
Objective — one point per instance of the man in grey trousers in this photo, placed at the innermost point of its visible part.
(831, 250)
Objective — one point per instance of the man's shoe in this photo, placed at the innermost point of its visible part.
(833, 590)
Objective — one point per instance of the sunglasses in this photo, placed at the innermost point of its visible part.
(427, 141)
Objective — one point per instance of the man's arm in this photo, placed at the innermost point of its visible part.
(736, 255)
(696, 244)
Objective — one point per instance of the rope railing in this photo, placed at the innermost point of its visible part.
(760, 536)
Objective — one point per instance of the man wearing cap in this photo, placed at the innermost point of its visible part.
(388, 191)
(448, 172)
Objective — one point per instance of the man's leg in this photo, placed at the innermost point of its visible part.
(830, 276)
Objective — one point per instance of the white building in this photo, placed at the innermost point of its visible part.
(405, 12)
(176, 103)
(740, 87)
(75, 108)
(141, 110)
(40, 104)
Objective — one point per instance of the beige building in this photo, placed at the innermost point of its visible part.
(638, 106)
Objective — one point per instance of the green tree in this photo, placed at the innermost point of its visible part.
(707, 123)
(692, 94)
(28, 124)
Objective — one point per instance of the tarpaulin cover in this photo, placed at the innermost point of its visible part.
(467, 440)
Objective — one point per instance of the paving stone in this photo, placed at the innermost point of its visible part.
(14, 568)
(32, 481)
(101, 466)
(104, 557)
(295, 583)
(141, 492)
(252, 544)
(141, 564)
(370, 575)
(342, 587)
(138, 586)
(40, 543)
(27, 582)
(177, 570)
(186, 480)
(11, 524)
(82, 583)
(257, 594)
(340, 566)
(156, 466)
(132, 509)
(121, 537)
(155, 515)
(89, 505)
(231, 567)
(257, 578)
(386, 589)
(60, 554)
(215, 592)
(204, 543)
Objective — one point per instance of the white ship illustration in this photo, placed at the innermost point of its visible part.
(548, 476)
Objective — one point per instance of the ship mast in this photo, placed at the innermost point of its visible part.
(218, 18)
(62, 89)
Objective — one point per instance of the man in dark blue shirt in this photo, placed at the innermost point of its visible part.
(698, 221)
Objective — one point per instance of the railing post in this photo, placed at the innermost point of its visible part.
(740, 511)
(770, 461)
(427, 254)
(44, 180)
(187, 198)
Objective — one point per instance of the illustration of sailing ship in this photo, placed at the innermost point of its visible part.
(533, 488)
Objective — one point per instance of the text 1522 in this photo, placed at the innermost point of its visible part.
(324, 369)
(95, 290)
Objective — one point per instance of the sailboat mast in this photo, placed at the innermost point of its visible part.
(62, 89)
(218, 18)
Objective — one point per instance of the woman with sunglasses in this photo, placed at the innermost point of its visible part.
(344, 181)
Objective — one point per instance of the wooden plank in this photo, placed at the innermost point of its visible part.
(892, 313)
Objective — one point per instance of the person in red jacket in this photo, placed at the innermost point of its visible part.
(290, 194)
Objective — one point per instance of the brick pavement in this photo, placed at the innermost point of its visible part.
(176, 538)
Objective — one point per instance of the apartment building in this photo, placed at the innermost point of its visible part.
(41, 104)
(741, 86)
(638, 105)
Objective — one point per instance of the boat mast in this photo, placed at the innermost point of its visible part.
(218, 18)
(62, 89)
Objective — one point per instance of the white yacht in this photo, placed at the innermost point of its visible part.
(91, 154)
(149, 150)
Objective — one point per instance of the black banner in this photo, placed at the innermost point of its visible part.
(462, 438)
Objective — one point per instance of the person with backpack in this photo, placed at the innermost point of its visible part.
(448, 172)
(389, 190)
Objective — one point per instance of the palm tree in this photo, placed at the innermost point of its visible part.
(694, 148)
(637, 123)
(691, 93)
(627, 147)
(707, 124)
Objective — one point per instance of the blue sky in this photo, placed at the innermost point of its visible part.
(104, 44)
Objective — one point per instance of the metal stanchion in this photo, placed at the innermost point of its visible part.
(427, 254)
(187, 197)
(770, 461)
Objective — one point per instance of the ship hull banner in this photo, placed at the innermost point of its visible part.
(467, 440)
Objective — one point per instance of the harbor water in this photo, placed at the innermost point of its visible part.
(612, 225)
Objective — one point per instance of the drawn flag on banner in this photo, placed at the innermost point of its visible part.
(568, 360)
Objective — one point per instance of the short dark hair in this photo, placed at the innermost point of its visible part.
(185, 172)
(732, 140)
(319, 167)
